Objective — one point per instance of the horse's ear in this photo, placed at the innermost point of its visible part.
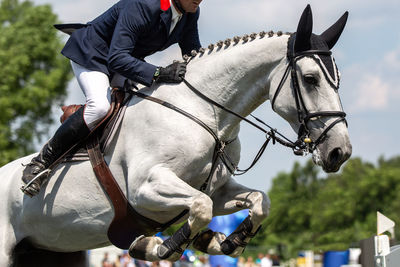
(304, 31)
(331, 35)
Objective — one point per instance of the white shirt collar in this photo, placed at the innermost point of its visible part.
(175, 13)
(176, 17)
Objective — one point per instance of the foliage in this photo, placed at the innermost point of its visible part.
(33, 75)
(331, 213)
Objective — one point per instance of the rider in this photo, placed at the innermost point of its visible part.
(111, 47)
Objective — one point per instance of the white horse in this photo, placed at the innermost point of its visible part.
(161, 158)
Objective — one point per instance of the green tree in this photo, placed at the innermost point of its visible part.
(291, 209)
(347, 202)
(333, 212)
(33, 75)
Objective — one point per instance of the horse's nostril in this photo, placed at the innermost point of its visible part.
(336, 156)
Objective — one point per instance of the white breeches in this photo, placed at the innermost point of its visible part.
(96, 87)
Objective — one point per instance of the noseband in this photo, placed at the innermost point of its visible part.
(304, 116)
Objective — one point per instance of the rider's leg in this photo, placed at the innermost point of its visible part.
(228, 199)
(165, 193)
(69, 133)
(95, 86)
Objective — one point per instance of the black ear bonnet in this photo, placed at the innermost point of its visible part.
(304, 41)
(316, 43)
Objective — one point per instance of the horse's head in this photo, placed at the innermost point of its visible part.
(307, 95)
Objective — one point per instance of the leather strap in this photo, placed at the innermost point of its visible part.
(127, 223)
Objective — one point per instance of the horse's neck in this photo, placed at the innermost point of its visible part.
(237, 77)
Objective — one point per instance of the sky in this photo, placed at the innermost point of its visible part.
(367, 55)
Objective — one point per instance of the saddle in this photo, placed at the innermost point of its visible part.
(105, 131)
(127, 224)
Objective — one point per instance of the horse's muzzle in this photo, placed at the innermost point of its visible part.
(336, 158)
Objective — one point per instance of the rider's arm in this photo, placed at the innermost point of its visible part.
(132, 22)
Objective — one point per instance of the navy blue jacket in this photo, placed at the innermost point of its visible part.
(118, 40)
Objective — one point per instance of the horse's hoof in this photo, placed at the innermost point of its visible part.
(203, 240)
(209, 242)
(145, 248)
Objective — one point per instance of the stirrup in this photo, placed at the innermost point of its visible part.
(24, 187)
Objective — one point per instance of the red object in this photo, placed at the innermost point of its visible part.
(165, 5)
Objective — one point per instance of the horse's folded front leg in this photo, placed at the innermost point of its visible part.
(200, 215)
(231, 198)
(168, 193)
(216, 243)
(175, 243)
(239, 238)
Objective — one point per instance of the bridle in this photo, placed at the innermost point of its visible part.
(303, 115)
(301, 146)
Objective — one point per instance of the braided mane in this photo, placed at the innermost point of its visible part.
(231, 41)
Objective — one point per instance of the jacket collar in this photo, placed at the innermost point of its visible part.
(166, 17)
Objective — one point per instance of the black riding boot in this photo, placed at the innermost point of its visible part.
(70, 132)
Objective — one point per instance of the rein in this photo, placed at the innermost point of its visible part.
(219, 150)
(270, 134)
(301, 146)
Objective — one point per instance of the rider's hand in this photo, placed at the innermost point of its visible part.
(173, 73)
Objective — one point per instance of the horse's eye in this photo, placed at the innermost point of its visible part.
(310, 79)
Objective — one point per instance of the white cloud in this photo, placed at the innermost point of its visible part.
(373, 85)
(392, 60)
(373, 94)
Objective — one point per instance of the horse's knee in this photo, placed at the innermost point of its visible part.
(261, 205)
(201, 210)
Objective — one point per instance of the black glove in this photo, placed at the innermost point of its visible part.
(173, 73)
